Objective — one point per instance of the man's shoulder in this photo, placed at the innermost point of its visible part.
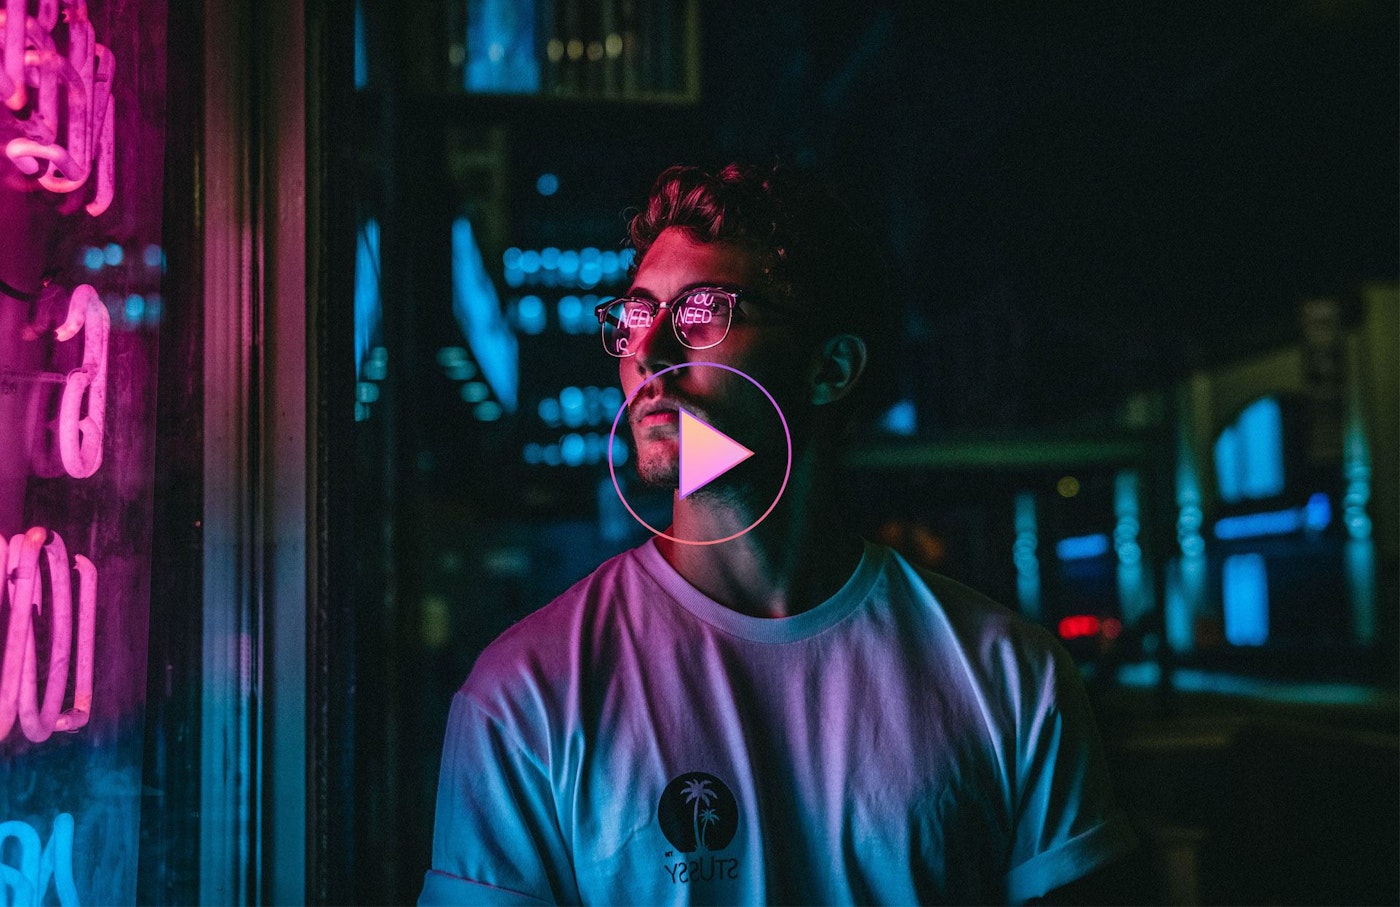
(544, 643)
(968, 611)
(992, 639)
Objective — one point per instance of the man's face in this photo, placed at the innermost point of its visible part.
(759, 344)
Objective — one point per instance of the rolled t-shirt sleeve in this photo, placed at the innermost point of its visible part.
(1066, 824)
(496, 838)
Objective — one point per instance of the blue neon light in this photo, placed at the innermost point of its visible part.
(1314, 516)
(135, 308)
(369, 312)
(584, 268)
(901, 419)
(530, 314)
(1024, 557)
(1082, 547)
(1227, 457)
(501, 47)
(1245, 594)
(1317, 513)
(1261, 430)
(1360, 549)
(1249, 453)
(478, 312)
(1255, 525)
(361, 51)
(573, 317)
(1186, 579)
(1134, 592)
(1148, 674)
(1356, 467)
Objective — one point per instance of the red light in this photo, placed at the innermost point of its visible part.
(1079, 625)
(1111, 627)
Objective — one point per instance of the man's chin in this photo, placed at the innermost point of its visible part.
(660, 472)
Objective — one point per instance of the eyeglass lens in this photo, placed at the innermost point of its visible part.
(700, 320)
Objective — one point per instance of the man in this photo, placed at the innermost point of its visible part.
(789, 714)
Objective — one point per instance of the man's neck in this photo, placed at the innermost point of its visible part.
(793, 560)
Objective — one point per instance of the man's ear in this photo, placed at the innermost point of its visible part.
(839, 367)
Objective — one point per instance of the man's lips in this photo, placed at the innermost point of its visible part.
(659, 406)
(657, 412)
(657, 423)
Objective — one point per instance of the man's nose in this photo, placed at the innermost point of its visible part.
(657, 346)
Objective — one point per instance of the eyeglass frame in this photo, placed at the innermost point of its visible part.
(655, 308)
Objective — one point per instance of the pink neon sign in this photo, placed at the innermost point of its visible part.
(81, 259)
(19, 693)
(63, 144)
(80, 428)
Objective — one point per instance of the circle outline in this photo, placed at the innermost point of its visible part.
(612, 438)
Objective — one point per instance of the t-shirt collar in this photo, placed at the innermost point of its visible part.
(765, 629)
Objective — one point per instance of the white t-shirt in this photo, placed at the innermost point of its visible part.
(635, 742)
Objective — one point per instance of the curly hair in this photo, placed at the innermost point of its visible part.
(814, 254)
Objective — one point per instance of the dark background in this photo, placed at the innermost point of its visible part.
(1079, 202)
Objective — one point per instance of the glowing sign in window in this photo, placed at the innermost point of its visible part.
(1249, 453)
(39, 865)
(1079, 625)
(29, 556)
(1082, 547)
(81, 423)
(82, 414)
(500, 52)
(69, 121)
(1314, 516)
(1245, 594)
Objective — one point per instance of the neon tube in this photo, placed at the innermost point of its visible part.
(78, 715)
(80, 437)
(19, 688)
(28, 57)
(38, 723)
(17, 95)
(21, 575)
(38, 867)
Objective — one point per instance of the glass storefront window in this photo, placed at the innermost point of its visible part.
(81, 304)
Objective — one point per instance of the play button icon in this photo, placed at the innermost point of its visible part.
(706, 453)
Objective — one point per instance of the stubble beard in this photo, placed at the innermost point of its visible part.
(660, 467)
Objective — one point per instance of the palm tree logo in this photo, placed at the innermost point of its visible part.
(697, 812)
(697, 791)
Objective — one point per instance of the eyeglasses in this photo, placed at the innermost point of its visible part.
(700, 316)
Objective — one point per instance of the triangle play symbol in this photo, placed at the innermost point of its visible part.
(706, 453)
